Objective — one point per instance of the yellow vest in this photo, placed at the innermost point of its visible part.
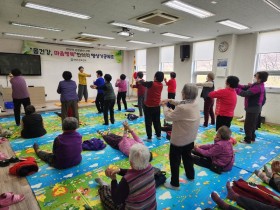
(82, 78)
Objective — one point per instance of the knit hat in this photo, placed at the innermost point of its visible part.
(25, 168)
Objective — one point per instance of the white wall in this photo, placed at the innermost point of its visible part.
(241, 61)
(52, 70)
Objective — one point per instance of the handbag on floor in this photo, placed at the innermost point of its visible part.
(131, 117)
(93, 144)
(160, 176)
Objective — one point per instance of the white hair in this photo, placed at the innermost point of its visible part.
(139, 156)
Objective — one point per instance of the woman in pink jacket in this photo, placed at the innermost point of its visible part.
(122, 85)
(219, 155)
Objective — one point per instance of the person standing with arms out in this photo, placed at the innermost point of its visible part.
(99, 101)
(152, 105)
(208, 87)
(109, 99)
(254, 100)
(20, 93)
(140, 91)
(172, 85)
(226, 102)
(82, 90)
(122, 85)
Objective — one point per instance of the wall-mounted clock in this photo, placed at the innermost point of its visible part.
(223, 46)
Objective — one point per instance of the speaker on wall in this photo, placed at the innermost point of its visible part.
(184, 52)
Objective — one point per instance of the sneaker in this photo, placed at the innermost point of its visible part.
(158, 137)
(168, 185)
(147, 139)
(245, 142)
(105, 123)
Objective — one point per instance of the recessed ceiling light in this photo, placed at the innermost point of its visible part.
(97, 36)
(233, 24)
(76, 42)
(138, 28)
(138, 42)
(272, 4)
(55, 10)
(22, 35)
(116, 46)
(214, 2)
(176, 35)
(33, 26)
(178, 5)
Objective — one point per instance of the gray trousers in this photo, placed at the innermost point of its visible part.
(69, 108)
(82, 91)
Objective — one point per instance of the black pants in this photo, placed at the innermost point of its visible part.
(250, 126)
(99, 102)
(201, 160)
(171, 96)
(177, 153)
(208, 110)
(152, 116)
(17, 104)
(82, 91)
(251, 204)
(121, 96)
(109, 106)
(223, 120)
(141, 104)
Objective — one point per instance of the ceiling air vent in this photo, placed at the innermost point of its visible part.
(157, 18)
(86, 39)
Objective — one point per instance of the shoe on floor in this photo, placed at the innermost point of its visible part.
(245, 142)
(168, 185)
(147, 139)
(158, 137)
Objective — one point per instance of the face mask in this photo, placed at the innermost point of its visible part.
(254, 80)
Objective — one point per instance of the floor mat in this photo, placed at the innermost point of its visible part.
(75, 187)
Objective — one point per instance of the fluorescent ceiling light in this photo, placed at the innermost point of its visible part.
(33, 26)
(97, 36)
(55, 10)
(75, 42)
(178, 5)
(233, 24)
(176, 35)
(124, 25)
(272, 4)
(115, 46)
(138, 42)
(22, 35)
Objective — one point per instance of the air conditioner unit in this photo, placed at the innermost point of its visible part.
(158, 18)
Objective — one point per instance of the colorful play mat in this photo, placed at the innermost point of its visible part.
(74, 188)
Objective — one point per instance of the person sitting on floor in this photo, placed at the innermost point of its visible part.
(124, 142)
(67, 147)
(244, 202)
(136, 190)
(32, 124)
(219, 155)
(271, 176)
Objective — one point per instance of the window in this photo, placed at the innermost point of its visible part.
(140, 61)
(268, 58)
(202, 60)
(167, 59)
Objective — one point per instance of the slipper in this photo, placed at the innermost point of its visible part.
(3, 139)
(3, 156)
(9, 198)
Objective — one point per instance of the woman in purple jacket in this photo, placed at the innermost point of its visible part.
(220, 154)
(67, 147)
(254, 100)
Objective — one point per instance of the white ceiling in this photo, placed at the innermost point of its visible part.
(253, 13)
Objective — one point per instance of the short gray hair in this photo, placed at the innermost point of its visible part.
(190, 91)
(139, 156)
(225, 132)
(69, 124)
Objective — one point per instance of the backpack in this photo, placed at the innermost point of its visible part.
(160, 177)
(132, 117)
(93, 144)
(130, 110)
